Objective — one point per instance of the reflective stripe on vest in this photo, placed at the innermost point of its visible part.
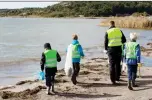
(50, 58)
(114, 37)
(131, 50)
(75, 53)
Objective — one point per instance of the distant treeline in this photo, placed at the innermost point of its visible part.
(85, 8)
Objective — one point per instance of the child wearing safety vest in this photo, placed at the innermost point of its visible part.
(48, 62)
(77, 54)
(132, 55)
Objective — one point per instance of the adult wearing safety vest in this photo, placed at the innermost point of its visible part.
(49, 61)
(77, 54)
(132, 55)
(114, 38)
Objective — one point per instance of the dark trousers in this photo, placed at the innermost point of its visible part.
(115, 68)
(76, 68)
(132, 72)
(50, 76)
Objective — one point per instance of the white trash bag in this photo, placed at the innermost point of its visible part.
(68, 62)
(105, 55)
(124, 67)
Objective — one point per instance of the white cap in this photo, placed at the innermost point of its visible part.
(133, 36)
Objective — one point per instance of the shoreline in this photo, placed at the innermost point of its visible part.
(32, 63)
(145, 51)
(55, 17)
(93, 84)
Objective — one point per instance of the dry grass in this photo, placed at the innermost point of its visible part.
(129, 22)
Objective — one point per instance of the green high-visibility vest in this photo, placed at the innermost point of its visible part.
(130, 48)
(50, 58)
(114, 37)
(75, 53)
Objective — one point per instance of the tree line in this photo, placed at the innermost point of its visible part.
(85, 8)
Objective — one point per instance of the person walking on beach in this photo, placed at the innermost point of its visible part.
(114, 38)
(49, 60)
(77, 54)
(132, 55)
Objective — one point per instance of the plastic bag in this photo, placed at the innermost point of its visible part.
(124, 67)
(41, 75)
(68, 62)
(105, 55)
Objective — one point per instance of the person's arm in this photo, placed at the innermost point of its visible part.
(138, 53)
(124, 52)
(122, 47)
(80, 49)
(123, 38)
(42, 62)
(106, 41)
(58, 57)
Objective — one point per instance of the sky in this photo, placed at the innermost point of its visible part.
(13, 5)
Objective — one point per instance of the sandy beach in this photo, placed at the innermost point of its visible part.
(93, 84)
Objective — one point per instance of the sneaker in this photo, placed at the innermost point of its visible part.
(129, 85)
(135, 85)
(74, 81)
(130, 88)
(113, 83)
(48, 91)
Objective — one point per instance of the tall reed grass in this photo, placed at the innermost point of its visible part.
(129, 22)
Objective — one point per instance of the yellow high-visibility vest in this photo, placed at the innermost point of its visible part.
(114, 37)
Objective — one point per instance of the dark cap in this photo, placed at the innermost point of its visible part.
(47, 46)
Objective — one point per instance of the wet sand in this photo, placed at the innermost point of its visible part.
(93, 84)
(147, 51)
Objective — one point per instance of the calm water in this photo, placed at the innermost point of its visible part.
(22, 40)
